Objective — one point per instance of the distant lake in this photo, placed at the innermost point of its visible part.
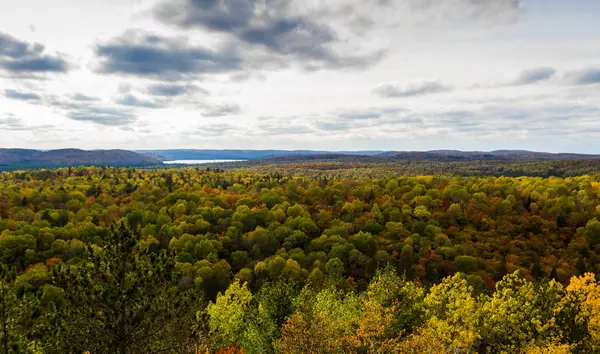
(196, 162)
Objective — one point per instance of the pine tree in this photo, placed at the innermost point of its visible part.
(123, 301)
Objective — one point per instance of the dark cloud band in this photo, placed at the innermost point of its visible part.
(23, 96)
(20, 58)
(147, 55)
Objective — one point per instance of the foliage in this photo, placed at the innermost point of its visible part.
(121, 301)
(360, 260)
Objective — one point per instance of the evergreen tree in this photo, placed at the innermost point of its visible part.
(123, 301)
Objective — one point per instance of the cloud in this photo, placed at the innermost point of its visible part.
(220, 110)
(173, 90)
(360, 115)
(214, 129)
(588, 76)
(544, 118)
(273, 126)
(103, 116)
(361, 17)
(272, 26)
(309, 30)
(485, 11)
(133, 101)
(494, 119)
(412, 89)
(82, 97)
(332, 126)
(343, 121)
(358, 120)
(10, 122)
(23, 96)
(278, 27)
(140, 53)
(526, 77)
(536, 75)
(20, 58)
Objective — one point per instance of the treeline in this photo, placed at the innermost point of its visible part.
(287, 253)
(357, 168)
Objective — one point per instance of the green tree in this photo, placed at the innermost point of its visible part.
(235, 321)
(18, 311)
(122, 301)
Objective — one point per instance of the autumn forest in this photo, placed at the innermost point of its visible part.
(268, 260)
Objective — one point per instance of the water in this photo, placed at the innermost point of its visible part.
(196, 162)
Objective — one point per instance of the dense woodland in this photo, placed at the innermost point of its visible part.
(349, 167)
(110, 260)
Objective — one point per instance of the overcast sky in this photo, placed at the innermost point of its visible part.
(301, 74)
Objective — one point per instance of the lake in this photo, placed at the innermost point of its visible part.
(196, 162)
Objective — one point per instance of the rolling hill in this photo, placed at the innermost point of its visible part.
(11, 159)
(211, 154)
(369, 155)
(27, 158)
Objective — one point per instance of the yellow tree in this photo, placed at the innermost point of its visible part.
(584, 294)
(519, 314)
(453, 314)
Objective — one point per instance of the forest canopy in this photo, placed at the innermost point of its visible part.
(194, 260)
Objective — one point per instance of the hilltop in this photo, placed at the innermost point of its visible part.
(28, 158)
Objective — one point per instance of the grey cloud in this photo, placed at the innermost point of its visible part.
(35, 65)
(133, 101)
(536, 75)
(173, 90)
(410, 90)
(23, 96)
(220, 110)
(72, 102)
(103, 116)
(486, 11)
(85, 98)
(332, 126)
(308, 32)
(124, 88)
(588, 76)
(365, 15)
(274, 25)
(21, 58)
(143, 54)
(270, 24)
(241, 77)
(10, 122)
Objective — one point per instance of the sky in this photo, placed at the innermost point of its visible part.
(301, 74)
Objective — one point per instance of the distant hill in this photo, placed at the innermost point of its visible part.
(369, 155)
(432, 156)
(200, 154)
(26, 158)
(503, 155)
(11, 159)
